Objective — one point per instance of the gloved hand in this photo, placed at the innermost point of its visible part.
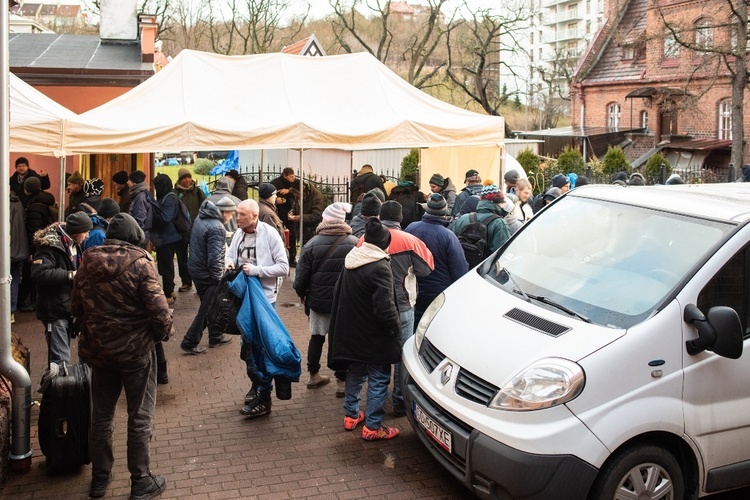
(47, 377)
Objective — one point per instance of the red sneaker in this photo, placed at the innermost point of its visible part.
(382, 433)
(351, 423)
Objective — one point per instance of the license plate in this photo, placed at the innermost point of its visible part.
(433, 429)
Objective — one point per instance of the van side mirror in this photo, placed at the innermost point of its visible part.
(720, 331)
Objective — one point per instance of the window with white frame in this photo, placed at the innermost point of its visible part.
(725, 120)
(644, 119)
(704, 35)
(613, 115)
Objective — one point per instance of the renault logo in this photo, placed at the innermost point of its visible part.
(445, 374)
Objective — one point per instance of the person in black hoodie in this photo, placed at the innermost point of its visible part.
(408, 195)
(364, 181)
(240, 184)
(38, 212)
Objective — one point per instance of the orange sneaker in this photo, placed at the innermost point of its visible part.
(351, 423)
(382, 433)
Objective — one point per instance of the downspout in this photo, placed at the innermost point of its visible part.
(20, 447)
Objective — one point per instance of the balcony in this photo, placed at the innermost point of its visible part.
(568, 15)
(563, 35)
(552, 3)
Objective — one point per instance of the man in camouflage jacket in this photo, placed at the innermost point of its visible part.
(124, 310)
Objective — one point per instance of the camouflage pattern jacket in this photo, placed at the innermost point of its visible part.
(117, 294)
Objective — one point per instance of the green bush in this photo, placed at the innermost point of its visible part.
(410, 163)
(528, 160)
(203, 166)
(653, 166)
(614, 161)
(570, 160)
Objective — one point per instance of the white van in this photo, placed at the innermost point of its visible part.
(598, 354)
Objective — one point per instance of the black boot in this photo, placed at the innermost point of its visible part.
(257, 408)
(147, 487)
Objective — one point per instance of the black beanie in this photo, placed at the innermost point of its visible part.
(124, 227)
(108, 208)
(391, 210)
(77, 223)
(137, 177)
(371, 205)
(32, 185)
(377, 234)
(120, 177)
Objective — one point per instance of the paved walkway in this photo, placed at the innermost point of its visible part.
(206, 449)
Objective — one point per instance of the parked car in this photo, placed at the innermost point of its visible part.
(598, 353)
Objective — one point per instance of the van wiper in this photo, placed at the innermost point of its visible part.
(504, 275)
(550, 302)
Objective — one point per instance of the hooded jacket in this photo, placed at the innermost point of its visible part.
(363, 182)
(497, 230)
(124, 309)
(97, 235)
(449, 193)
(191, 196)
(206, 259)
(408, 195)
(467, 192)
(50, 272)
(142, 208)
(164, 231)
(37, 215)
(315, 279)
(222, 188)
(365, 325)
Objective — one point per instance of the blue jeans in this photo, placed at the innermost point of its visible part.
(407, 330)
(58, 341)
(377, 377)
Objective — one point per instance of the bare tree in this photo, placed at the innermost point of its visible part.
(187, 28)
(719, 39)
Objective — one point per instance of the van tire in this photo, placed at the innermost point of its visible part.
(619, 472)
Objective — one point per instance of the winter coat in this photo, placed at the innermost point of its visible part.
(312, 211)
(267, 213)
(449, 193)
(124, 194)
(17, 185)
(142, 208)
(358, 224)
(450, 262)
(363, 182)
(37, 215)
(192, 197)
(410, 198)
(117, 293)
(74, 200)
(19, 242)
(164, 231)
(272, 262)
(314, 278)
(207, 245)
(98, 233)
(240, 188)
(222, 189)
(289, 198)
(50, 272)
(274, 353)
(365, 325)
(465, 194)
(497, 230)
(410, 259)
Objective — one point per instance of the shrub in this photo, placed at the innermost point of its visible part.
(614, 161)
(652, 169)
(410, 163)
(528, 160)
(203, 166)
(596, 165)
(571, 160)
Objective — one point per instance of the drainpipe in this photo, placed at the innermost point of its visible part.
(20, 447)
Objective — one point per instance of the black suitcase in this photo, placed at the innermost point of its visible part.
(65, 419)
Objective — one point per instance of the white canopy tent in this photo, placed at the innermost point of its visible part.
(37, 123)
(203, 101)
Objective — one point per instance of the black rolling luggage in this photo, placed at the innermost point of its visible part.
(65, 419)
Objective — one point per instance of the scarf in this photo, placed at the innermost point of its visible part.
(333, 228)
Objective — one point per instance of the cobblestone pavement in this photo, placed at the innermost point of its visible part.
(206, 449)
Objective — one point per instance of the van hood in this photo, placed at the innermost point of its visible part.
(473, 330)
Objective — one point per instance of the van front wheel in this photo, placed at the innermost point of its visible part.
(638, 473)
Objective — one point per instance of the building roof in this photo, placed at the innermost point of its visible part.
(611, 66)
(401, 8)
(306, 47)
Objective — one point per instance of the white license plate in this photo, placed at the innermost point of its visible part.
(434, 430)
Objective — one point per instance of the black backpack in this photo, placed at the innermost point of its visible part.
(222, 317)
(411, 210)
(182, 221)
(473, 238)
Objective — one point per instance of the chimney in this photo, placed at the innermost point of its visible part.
(118, 21)
(147, 24)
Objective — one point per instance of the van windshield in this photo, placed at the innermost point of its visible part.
(612, 263)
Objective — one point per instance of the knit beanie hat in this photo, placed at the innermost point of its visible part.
(77, 222)
(492, 193)
(108, 208)
(511, 177)
(336, 212)
(124, 227)
(234, 174)
(411, 178)
(377, 234)
(582, 181)
(93, 187)
(391, 210)
(226, 204)
(75, 178)
(437, 179)
(137, 177)
(32, 185)
(371, 204)
(266, 190)
(436, 204)
(560, 181)
(377, 192)
(182, 173)
(120, 177)
(552, 194)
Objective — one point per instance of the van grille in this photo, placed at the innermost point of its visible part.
(430, 356)
(535, 322)
(474, 389)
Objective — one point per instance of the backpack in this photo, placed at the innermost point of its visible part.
(473, 238)
(182, 221)
(222, 316)
(411, 209)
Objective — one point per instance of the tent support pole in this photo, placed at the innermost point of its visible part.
(260, 169)
(61, 197)
(301, 196)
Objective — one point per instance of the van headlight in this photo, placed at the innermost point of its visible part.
(427, 317)
(546, 383)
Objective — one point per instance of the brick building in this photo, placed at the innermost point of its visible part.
(635, 77)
